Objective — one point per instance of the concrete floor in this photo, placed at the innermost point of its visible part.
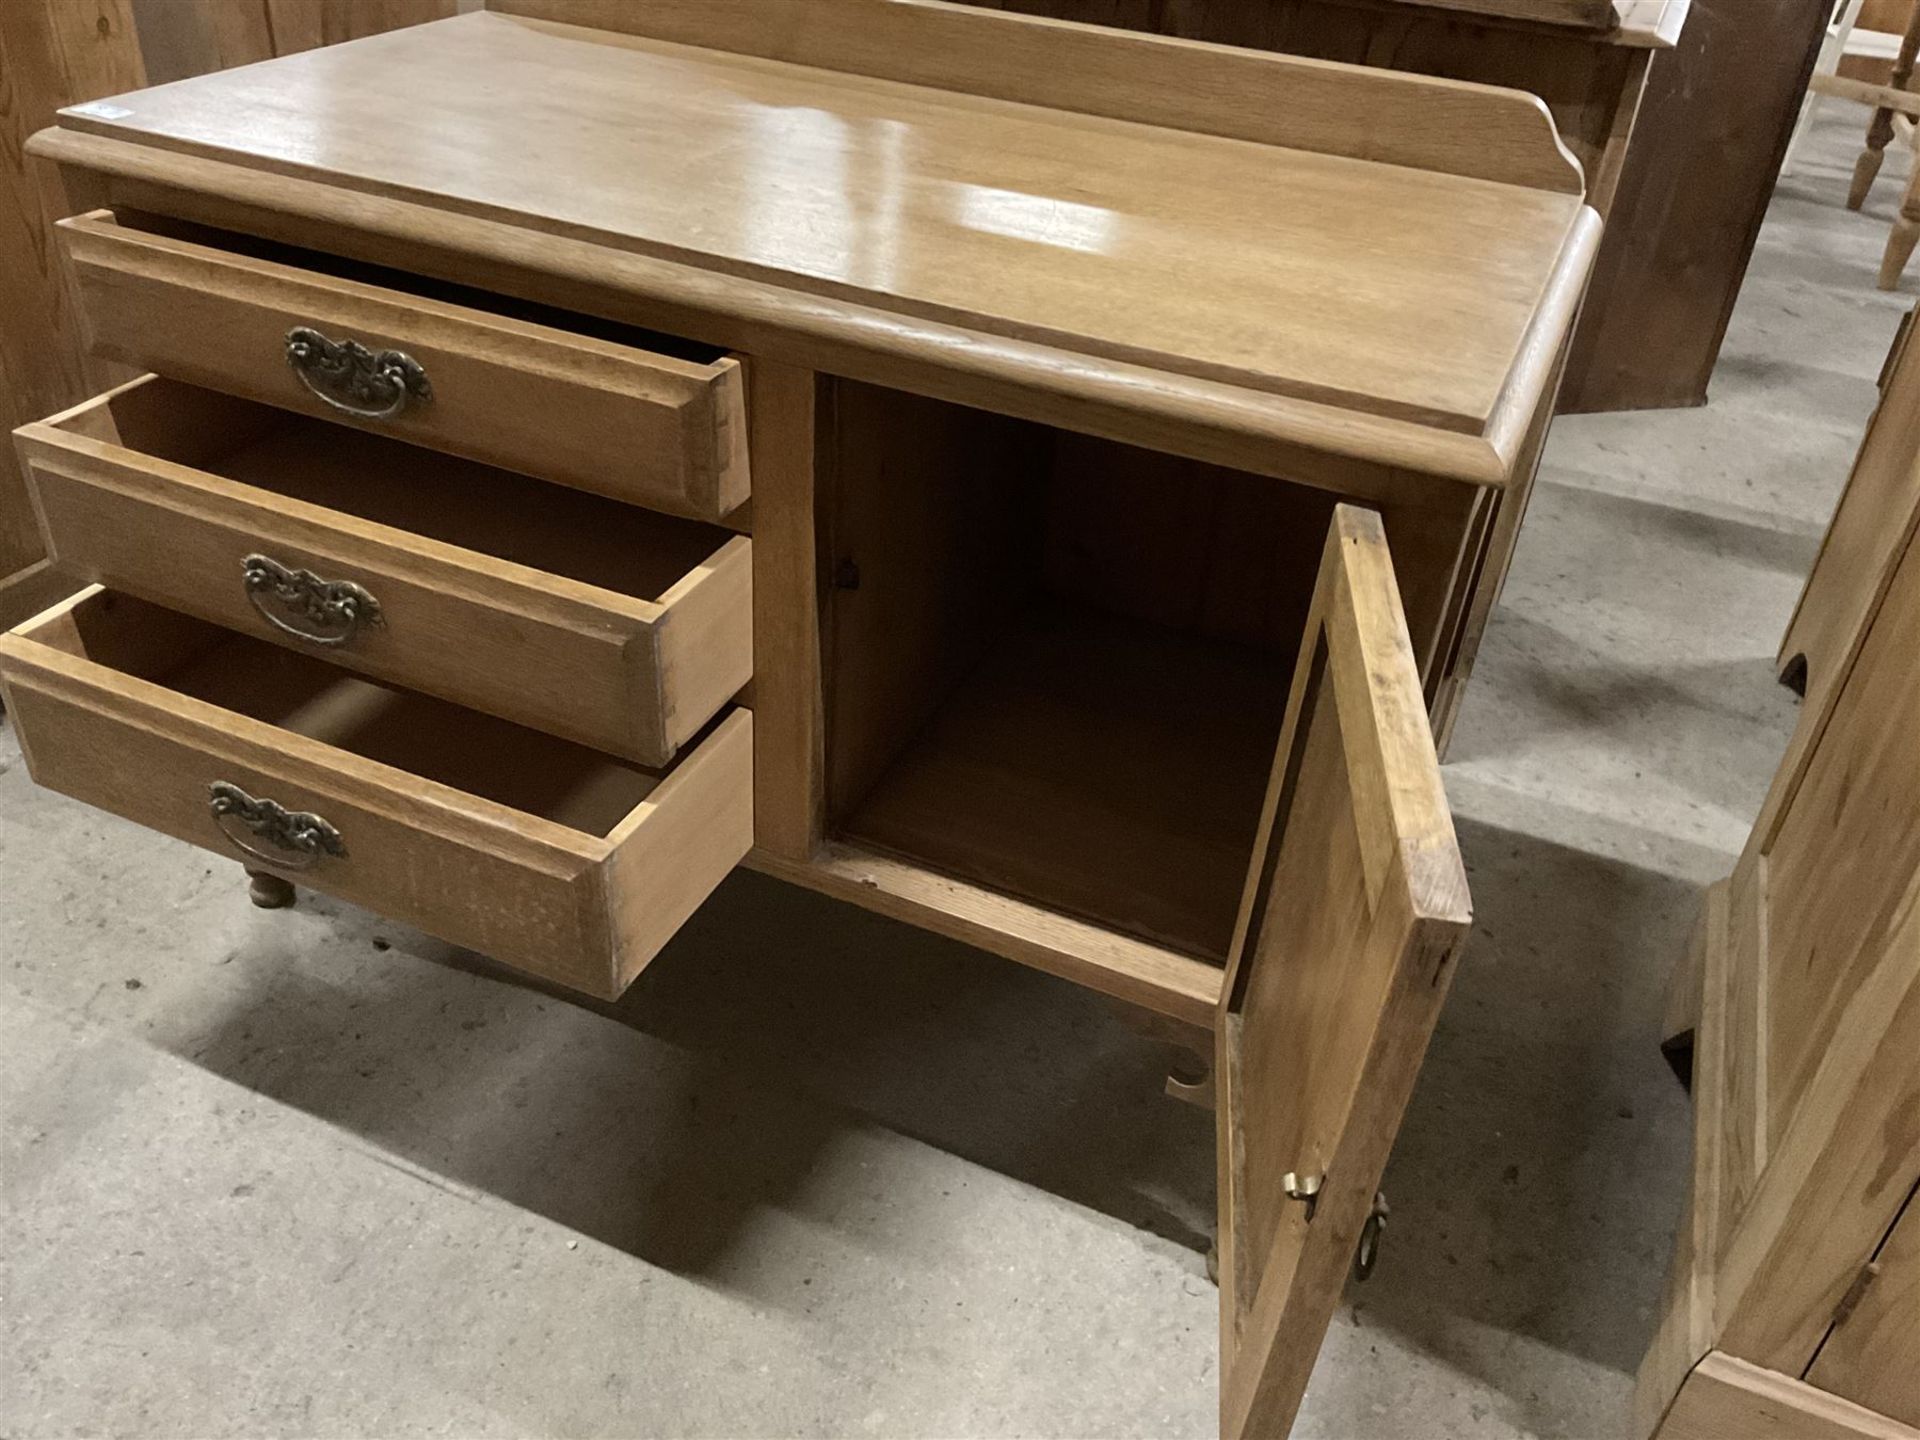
(309, 1173)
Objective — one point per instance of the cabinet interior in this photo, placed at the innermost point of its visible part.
(1057, 666)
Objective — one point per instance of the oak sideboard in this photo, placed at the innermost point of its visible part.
(1044, 483)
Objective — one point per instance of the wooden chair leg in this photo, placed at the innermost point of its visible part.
(1867, 168)
(1900, 247)
(1880, 129)
(267, 891)
(1906, 230)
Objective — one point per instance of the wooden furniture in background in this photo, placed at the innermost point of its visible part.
(52, 53)
(1796, 1276)
(1712, 129)
(179, 38)
(1856, 557)
(1895, 108)
(1590, 62)
(1708, 119)
(1854, 50)
(61, 52)
(1097, 622)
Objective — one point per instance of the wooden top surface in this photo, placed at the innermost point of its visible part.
(1376, 288)
(1653, 24)
(1584, 14)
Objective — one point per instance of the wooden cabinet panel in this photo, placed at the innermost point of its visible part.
(1728, 1399)
(52, 53)
(1872, 1357)
(1355, 910)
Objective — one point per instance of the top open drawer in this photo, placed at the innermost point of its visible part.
(603, 407)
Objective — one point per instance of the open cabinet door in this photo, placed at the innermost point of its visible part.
(1355, 907)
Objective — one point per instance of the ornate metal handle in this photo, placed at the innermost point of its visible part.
(324, 612)
(299, 838)
(351, 378)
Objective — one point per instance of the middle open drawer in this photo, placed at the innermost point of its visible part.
(618, 627)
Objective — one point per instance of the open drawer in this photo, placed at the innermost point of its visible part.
(607, 624)
(532, 850)
(642, 417)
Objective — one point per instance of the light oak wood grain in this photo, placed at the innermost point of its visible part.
(599, 622)
(1096, 766)
(1286, 100)
(1872, 1356)
(31, 589)
(652, 428)
(1868, 532)
(55, 52)
(788, 691)
(1348, 252)
(1149, 976)
(1804, 1081)
(1727, 1398)
(1354, 912)
(528, 849)
(1357, 454)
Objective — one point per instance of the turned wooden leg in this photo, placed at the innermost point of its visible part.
(1900, 244)
(1868, 165)
(1880, 130)
(268, 891)
(1906, 230)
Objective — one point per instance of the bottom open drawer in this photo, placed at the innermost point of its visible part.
(541, 853)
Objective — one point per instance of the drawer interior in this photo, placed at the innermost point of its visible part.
(1058, 666)
(496, 760)
(426, 287)
(551, 528)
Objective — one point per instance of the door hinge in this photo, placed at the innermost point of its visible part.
(1304, 1188)
(1850, 1301)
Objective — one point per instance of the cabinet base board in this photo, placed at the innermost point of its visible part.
(1143, 974)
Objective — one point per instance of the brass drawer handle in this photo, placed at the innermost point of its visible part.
(351, 378)
(298, 838)
(323, 612)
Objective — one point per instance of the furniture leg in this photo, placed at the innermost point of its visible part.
(269, 891)
(1906, 230)
(1880, 128)
(1832, 49)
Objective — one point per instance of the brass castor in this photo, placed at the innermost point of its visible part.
(269, 891)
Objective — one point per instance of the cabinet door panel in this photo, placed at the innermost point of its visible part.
(1355, 907)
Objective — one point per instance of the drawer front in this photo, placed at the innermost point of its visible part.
(580, 909)
(647, 428)
(631, 677)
